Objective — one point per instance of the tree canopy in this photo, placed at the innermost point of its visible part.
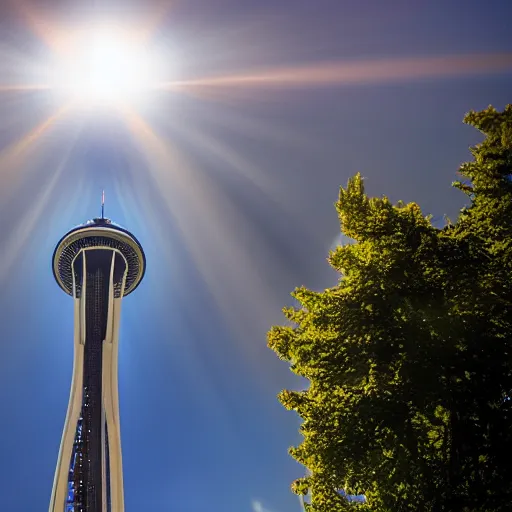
(409, 356)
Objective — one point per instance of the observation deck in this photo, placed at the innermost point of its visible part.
(98, 233)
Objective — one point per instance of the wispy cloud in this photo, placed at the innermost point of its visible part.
(257, 506)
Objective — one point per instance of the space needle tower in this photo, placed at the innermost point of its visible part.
(97, 263)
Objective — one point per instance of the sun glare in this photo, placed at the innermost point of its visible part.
(106, 67)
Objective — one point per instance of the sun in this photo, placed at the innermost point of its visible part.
(106, 66)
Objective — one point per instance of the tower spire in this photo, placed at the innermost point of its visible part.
(102, 204)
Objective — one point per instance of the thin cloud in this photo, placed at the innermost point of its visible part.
(257, 506)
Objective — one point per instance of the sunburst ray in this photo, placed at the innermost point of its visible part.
(346, 73)
(222, 242)
(25, 225)
(12, 157)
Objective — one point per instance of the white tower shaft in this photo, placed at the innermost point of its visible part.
(74, 466)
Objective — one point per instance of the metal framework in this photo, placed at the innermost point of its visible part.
(97, 263)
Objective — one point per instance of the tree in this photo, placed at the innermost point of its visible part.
(409, 356)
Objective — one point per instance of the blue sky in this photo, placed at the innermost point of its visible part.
(234, 209)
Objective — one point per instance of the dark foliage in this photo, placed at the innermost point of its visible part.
(409, 357)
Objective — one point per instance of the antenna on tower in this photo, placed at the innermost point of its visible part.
(103, 205)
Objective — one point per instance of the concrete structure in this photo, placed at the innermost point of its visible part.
(97, 263)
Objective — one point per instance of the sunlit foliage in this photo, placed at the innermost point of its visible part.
(409, 357)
